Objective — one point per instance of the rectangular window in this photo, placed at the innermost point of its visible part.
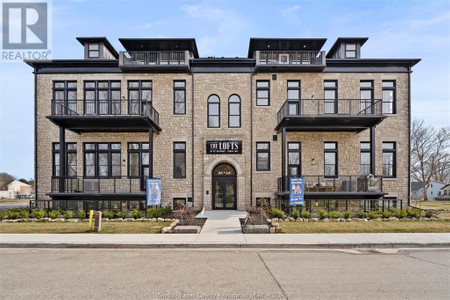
(331, 159)
(179, 160)
(331, 96)
(365, 168)
(366, 96)
(71, 160)
(389, 160)
(102, 160)
(64, 98)
(179, 97)
(262, 92)
(293, 97)
(389, 97)
(139, 96)
(294, 159)
(262, 156)
(102, 97)
(350, 50)
(94, 50)
(138, 160)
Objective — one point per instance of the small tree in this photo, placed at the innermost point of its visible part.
(429, 155)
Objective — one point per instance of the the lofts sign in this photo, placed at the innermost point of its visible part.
(220, 147)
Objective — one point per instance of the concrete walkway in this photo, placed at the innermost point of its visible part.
(221, 226)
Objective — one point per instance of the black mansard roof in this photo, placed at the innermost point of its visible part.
(160, 44)
(288, 44)
(102, 39)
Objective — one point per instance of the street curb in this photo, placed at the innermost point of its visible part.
(225, 245)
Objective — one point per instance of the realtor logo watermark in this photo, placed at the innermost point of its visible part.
(25, 31)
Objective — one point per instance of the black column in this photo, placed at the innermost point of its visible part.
(150, 152)
(62, 159)
(372, 150)
(283, 158)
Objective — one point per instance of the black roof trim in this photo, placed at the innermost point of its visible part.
(275, 44)
(364, 62)
(160, 44)
(333, 48)
(102, 39)
(55, 63)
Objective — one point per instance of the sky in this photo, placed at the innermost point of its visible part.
(396, 29)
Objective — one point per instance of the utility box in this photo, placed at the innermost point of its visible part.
(98, 221)
(362, 184)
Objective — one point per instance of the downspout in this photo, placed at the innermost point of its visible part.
(251, 136)
(192, 139)
(409, 135)
(35, 136)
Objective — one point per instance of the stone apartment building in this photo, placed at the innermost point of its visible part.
(222, 133)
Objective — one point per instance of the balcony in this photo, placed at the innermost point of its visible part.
(104, 115)
(329, 114)
(290, 60)
(341, 187)
(79, 188)
(154, 60)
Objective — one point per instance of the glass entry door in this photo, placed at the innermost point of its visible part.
(224, 187)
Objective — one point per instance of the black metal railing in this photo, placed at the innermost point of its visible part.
(110, 107)
(80, 184)
(154, 58)
(290, 58)
(309, 107)
(342, 183)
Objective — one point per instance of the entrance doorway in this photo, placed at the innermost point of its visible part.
(224, 187)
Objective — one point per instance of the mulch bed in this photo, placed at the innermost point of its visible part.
(194, 222)
(255, 219)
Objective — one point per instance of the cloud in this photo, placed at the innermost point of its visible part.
(292, 14)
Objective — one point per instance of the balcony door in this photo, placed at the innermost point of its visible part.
(331, 96)
(294, 159)
(139, 97)
(293, 97)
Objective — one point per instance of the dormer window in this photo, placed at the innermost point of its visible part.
(93, 50)
(350, 50)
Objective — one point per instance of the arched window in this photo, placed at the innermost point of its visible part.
(224, 169)
(234, 111)
(213, 111)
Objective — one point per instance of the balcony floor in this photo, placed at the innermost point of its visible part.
(330, 122)
(98, 196)
(338, 195)
(105, 123)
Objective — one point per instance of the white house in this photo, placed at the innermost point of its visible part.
(432, 191)
(17, 188)
(444, 193)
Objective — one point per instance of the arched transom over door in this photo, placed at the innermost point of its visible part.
(224, 187)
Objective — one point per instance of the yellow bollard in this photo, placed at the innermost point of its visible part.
(91, 218)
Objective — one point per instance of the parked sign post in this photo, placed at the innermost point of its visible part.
(153, 189)
(296, 191)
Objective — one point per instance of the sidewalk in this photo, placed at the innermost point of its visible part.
(222, 230)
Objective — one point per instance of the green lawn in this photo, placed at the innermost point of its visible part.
(431, 204)
(82, 227)
(366, 227)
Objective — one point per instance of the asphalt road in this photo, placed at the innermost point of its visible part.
(224, 274)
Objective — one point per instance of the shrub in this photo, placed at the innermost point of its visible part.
(277, 213)
(335, 215)
(12, 214)
(136, 214)
(54, 214)
(38, 214)
(417, 213)
(81, 214)
(386, 214)
(69, 214)
(306, 215)
(372, 215)
(401, 213)
(108, 214)
(362, 214)
(295, 214)
(322, 214)
(347, 214)
(23, 214)
(120, 214)
(409, 212)
(2, 214)
(430, 213)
